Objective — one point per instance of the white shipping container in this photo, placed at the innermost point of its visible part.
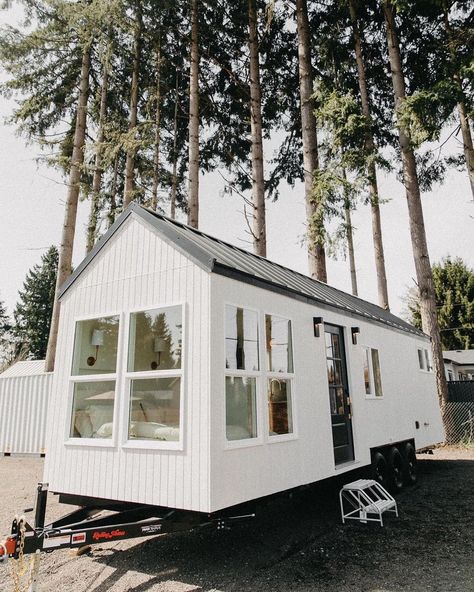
(25, 391)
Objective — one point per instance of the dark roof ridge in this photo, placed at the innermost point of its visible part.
(306, 277)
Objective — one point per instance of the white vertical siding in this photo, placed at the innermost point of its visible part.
(136, 270)
(23, 410)
(240, 474)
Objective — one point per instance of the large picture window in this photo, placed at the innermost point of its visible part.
(242, 369)
(155, 374)
(94, 367)
(279, 354)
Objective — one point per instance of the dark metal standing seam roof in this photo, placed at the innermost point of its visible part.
(220, 257)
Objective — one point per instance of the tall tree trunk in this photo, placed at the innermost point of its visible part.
(314, 210)
(429, 317)
(98, 170)
(131, 151)
(350, 238)
(258, 183)
(193, 176)
(463, 116)
(69, 227)
(382, 289)
(156, 160)
(174, 176)
(113, 194)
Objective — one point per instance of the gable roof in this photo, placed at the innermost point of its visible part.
(460, 357)
(217, 256)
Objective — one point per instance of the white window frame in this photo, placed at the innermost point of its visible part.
(367, 349)
(257, 374)
(268, 375)
(128, 376)
(74, 379)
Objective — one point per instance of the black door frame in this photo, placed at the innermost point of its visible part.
(341, 424)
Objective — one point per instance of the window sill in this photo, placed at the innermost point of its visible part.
(152, 445)
(282, 438)
(246, 443)
(91, 442)
(374, 398)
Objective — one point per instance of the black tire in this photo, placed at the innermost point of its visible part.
(410, 467)
(395, 470)
(380, 469)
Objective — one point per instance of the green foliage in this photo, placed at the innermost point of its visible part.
(33, 311)
(454, 289)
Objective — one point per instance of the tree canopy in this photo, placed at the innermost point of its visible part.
(454, 289)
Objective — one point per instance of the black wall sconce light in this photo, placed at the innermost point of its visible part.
(317, 324)
(97, 340)
(159, 347)
(355, 332)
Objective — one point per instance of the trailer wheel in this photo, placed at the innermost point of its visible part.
(395, 469)
(410, 467)
(380, 468)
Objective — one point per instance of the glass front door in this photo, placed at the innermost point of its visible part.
(339, 398)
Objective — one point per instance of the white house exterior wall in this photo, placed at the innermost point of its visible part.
(23, 411)
(409, 395)
(136, 270)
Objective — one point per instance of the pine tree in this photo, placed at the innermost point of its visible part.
(33, 311)
(454, 291)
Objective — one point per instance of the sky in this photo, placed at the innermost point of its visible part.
(32, 198)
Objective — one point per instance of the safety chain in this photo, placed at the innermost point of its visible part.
(19, 567)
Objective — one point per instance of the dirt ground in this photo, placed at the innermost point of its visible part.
(296, 544)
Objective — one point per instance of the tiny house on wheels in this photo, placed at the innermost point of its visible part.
(196, 376)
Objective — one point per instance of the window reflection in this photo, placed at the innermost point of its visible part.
(241, 413)
(155, 409)
(279, 407)
(241, 339)
(93, 409)
(155, 339)
(278, 344)
(95, 346)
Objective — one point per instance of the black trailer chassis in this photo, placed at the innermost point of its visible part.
(90, 525)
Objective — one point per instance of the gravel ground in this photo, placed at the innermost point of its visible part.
(295, 544)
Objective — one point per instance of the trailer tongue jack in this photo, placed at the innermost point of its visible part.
(91, 525)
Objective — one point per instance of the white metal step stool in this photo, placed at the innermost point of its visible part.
(363, 497)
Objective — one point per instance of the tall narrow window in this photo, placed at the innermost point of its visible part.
(424, 360)
(94, 367)
(242, 368)
(372, 374)
(376, 373)
(367, 380)
(154, 373)
(279, 352)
